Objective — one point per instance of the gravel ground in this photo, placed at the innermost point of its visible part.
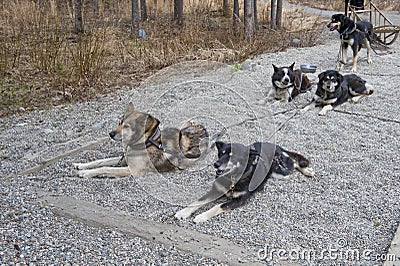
(350, 207)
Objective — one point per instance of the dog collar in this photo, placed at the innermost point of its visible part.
(152, 139)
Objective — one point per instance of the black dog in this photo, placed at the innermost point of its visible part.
(243, 169)
(287, 83)
(334, 89)
(354, 35)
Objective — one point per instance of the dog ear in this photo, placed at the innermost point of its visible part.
(292, 66)
(342, 18)
(321, 75)
(151, 122)
(130, 107)
(275, 68)
(129, 110)
(219, 144)
(339, 77)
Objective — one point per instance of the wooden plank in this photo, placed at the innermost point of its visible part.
(393, 255)
(184, 239)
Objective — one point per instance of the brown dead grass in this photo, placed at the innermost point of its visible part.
(338, 5)
(43, 63)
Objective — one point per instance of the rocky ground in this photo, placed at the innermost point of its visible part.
(346, 214)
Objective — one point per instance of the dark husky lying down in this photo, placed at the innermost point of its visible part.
(240, 171)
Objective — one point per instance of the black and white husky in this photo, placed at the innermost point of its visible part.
(334, 89)
(287, 83)
(240, 170)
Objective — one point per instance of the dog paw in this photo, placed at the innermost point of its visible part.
(322, 113)
(277, 103)
(78, 166)
(85, 173)
(369, 61)
(356, 99)
(353, 70)
(262, 101)
(201, 218)
(339, 66)
(183, 214)
(304, 110)
(308, 172)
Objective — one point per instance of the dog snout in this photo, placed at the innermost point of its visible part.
(217, 164)
(112, 134)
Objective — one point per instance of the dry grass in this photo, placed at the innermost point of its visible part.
(338, 5)
(43, 63)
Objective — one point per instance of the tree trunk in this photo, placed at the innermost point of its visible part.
(255, 15)
(248, 19)
(143, 10)
(279, 14)
(95, 5)
(78, 21)
(135, 18)
(273, 14)
(225, 8)
(178, 12)
(235, 15)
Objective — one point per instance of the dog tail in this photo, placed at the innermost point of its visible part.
(302, 161)
(193, 140)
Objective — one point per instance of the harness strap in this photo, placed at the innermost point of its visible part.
(152, 139)
(347, 32)
(253, 151)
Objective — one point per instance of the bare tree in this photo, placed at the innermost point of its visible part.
(78, 21)
(248, 19)
(225, 8)
(143, 10)
(273, 14)
(279, 14)
(95, 5)
(235, 15)
(255, 15)
(135, 17)
(178, 12)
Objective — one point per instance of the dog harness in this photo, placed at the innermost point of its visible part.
(152, 140)
(347, 31)
(255, 149)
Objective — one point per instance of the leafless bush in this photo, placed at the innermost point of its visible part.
(42, 58)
